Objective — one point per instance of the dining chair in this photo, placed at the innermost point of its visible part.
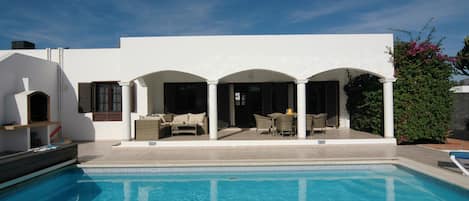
(319, 122)
(284, 124)
(263, 123)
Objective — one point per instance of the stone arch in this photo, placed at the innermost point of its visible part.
(174, 72)
(256, 75)
(357, 69)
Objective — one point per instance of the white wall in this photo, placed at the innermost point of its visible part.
(214, 57)
(88, 65)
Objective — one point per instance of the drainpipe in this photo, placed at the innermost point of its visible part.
(48, 54)
(60, 83)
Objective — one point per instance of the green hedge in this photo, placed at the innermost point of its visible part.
(365, 103)
(422, 100)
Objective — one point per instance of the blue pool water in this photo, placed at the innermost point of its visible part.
(300, 183)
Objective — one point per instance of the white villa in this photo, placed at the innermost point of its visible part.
(97, 94)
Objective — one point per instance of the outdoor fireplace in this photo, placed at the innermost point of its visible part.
(28, 106)
(27, 119)
(32, 106)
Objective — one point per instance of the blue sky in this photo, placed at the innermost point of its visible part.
(100, 23)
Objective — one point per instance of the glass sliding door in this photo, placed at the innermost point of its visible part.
(323, 97)
(259, 98)
(182, 98)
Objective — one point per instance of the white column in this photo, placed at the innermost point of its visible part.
(344, 116)
(142, 97)
(301, 108)
(212, 109)
(126, 109)
(388, 107)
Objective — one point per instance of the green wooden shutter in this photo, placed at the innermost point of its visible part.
(133, 100)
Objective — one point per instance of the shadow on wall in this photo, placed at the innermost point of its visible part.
(76, 126)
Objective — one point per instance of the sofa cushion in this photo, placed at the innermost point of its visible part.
(180, 119)
(197, 118)
(161, 116)
(149, 118)
(167, 124)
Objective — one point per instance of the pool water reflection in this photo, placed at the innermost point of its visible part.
(301, 183)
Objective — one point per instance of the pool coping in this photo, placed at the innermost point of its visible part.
(438, 173)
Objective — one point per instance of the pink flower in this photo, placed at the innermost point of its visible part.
(419, 48)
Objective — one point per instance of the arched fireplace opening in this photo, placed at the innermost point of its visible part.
(38, 107)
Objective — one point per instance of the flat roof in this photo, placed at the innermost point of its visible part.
(258, 36)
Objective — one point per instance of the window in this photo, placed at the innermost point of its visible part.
(103, 99)
(240, 99)
(108, 97)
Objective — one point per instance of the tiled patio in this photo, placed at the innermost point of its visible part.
(96, 153)
(251, 134)
(102, 153)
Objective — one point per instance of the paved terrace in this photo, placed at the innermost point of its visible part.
(251, 134)
(102, 153)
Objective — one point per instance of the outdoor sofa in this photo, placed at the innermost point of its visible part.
(157, 126)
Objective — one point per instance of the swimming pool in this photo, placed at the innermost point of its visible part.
(299, 183)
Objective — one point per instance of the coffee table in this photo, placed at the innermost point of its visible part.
(183, 128)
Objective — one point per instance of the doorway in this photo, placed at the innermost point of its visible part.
(323, 97)
(260, 98)
(248, 101)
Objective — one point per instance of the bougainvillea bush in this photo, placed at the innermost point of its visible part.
(422, 100)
